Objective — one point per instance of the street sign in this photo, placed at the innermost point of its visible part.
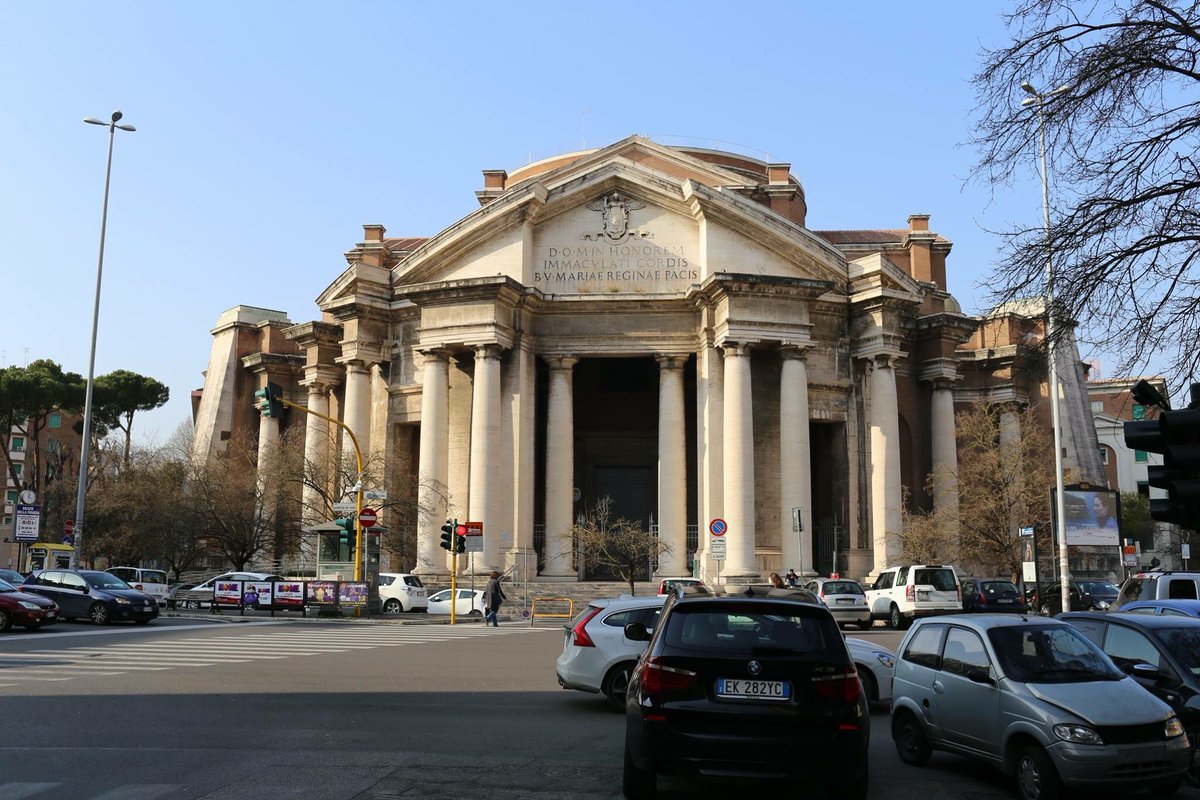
(718, 527)
(474, 537)
(345, 507)
(68, 539)
(1185, 551)
(1130, 555)
(367, 518)
(716, 549)
(28, 522)
(374, 494)
(797, 522)
(1027, 530)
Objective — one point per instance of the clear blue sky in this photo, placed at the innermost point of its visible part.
(270, 132)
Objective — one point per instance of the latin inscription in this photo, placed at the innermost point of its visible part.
(636, 266)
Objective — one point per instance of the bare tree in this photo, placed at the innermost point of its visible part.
(1122, 139)
(614, 544)
(927, 537)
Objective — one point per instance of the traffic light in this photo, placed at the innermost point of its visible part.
(1175, 435)
(347, 537)
(448, 535)
(268, 400)
(460, 538)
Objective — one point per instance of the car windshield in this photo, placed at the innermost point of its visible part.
(1099, 587)
(5, 586)
(1050, 654)
(942, 580)
(412, 580)
(745, 629)
(1184, 644)
(1002, 588)
(842, 587)
(153, 576)
(102, 580)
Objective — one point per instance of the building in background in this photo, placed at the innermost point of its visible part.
(654, 324)
(59, 440)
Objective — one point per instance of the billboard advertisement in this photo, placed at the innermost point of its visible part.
(1093, 517)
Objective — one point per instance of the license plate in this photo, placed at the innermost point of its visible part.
(922, 595)
(49, 615)
(756, 690)
(845, 601)
(1004, 601)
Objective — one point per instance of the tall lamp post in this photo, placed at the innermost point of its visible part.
(85, 446)
(1038, 100)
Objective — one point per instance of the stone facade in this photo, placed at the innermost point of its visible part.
(653, 324)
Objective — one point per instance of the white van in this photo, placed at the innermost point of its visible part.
(150, 581)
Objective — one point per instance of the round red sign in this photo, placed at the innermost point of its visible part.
(367, 517)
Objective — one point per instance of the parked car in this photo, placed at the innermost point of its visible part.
(667, 585)
(991, 596)
(12, 576)
(1036, 699)
(1159, 585)
(845, 598)
(746, 684)
(597, 656)
(30, 611)
(468, 604)
(1166, 608)
(874, 663)
(151, 581)
(1086, 595)
(902, 594)
(1162, 653)
(401, 592)
(208, 586)
(100, 597)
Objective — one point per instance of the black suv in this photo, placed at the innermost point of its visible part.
(1087, 594)
(756, 684)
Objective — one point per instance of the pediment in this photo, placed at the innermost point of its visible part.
(617, 226)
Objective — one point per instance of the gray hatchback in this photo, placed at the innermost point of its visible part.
(1036, 699)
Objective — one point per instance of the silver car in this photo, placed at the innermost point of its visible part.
(846, 599)
(1035, 698)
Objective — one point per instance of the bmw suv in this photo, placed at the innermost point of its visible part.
(757, 684)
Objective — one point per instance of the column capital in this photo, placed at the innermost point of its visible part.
(434, 354)
(944, 384)
(736, 348)
(488, 351)
(561, 362)
(790, 351)
(356, 365)
(671, 362)
(882, 360)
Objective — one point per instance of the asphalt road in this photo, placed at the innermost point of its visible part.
(196, 708)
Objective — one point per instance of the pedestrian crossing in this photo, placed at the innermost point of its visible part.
(259, 644)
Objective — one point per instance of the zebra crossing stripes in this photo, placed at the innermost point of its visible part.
(130, 791)
(208, 650)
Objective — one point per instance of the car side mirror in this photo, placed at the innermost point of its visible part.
(1147, 672)
(980, 676)
(636, 632)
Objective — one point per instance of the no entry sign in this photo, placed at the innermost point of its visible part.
(367, 518)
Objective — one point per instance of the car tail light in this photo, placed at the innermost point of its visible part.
(958, 590)
(658, 679)
(838, 687)
(982, 599)
(579, 636)
(910, 593)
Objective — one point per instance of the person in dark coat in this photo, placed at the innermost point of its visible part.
(493, 597)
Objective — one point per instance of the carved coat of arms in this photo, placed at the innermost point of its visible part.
(614, 210)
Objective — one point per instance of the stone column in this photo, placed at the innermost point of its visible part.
(1010, 443)
(357, 414)
(268, 448)
(795, 466)
(672, 466)
(316, 454)
(738, 424)
(944, 447)
(884, 424)
(432, 471)
(560, 467)
(485, 448)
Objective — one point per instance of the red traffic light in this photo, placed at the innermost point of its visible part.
(461, 530)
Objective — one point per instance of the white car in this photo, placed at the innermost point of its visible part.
(209, 585)
(902, 594)
(596, 656)
(401, 592)
(148, 581)
(874, 663)
(468, 604)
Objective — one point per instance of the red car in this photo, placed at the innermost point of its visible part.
(30, 611)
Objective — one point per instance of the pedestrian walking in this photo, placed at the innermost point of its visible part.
(493, 597)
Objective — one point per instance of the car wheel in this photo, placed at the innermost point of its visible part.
(392, 606)
(1036, 778)
(5, 620)
(865, 624)
(98, 614)
(912, 745)
(616, 683)
(870, 689)
(897, 620)
(637, 784)
(475, 613)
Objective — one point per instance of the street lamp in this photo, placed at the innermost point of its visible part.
(87, 403)
(1038, 99)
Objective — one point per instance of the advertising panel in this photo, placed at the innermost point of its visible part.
(1093, 517)
(256, 594)
(321, 593)
(288, 594)
(352, 593)
(228, 593)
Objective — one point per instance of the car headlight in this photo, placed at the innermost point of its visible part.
(887, 659)
(29, 605)
(1173, 728)
(1078, 734)
(122, 601)
(1102, 605)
